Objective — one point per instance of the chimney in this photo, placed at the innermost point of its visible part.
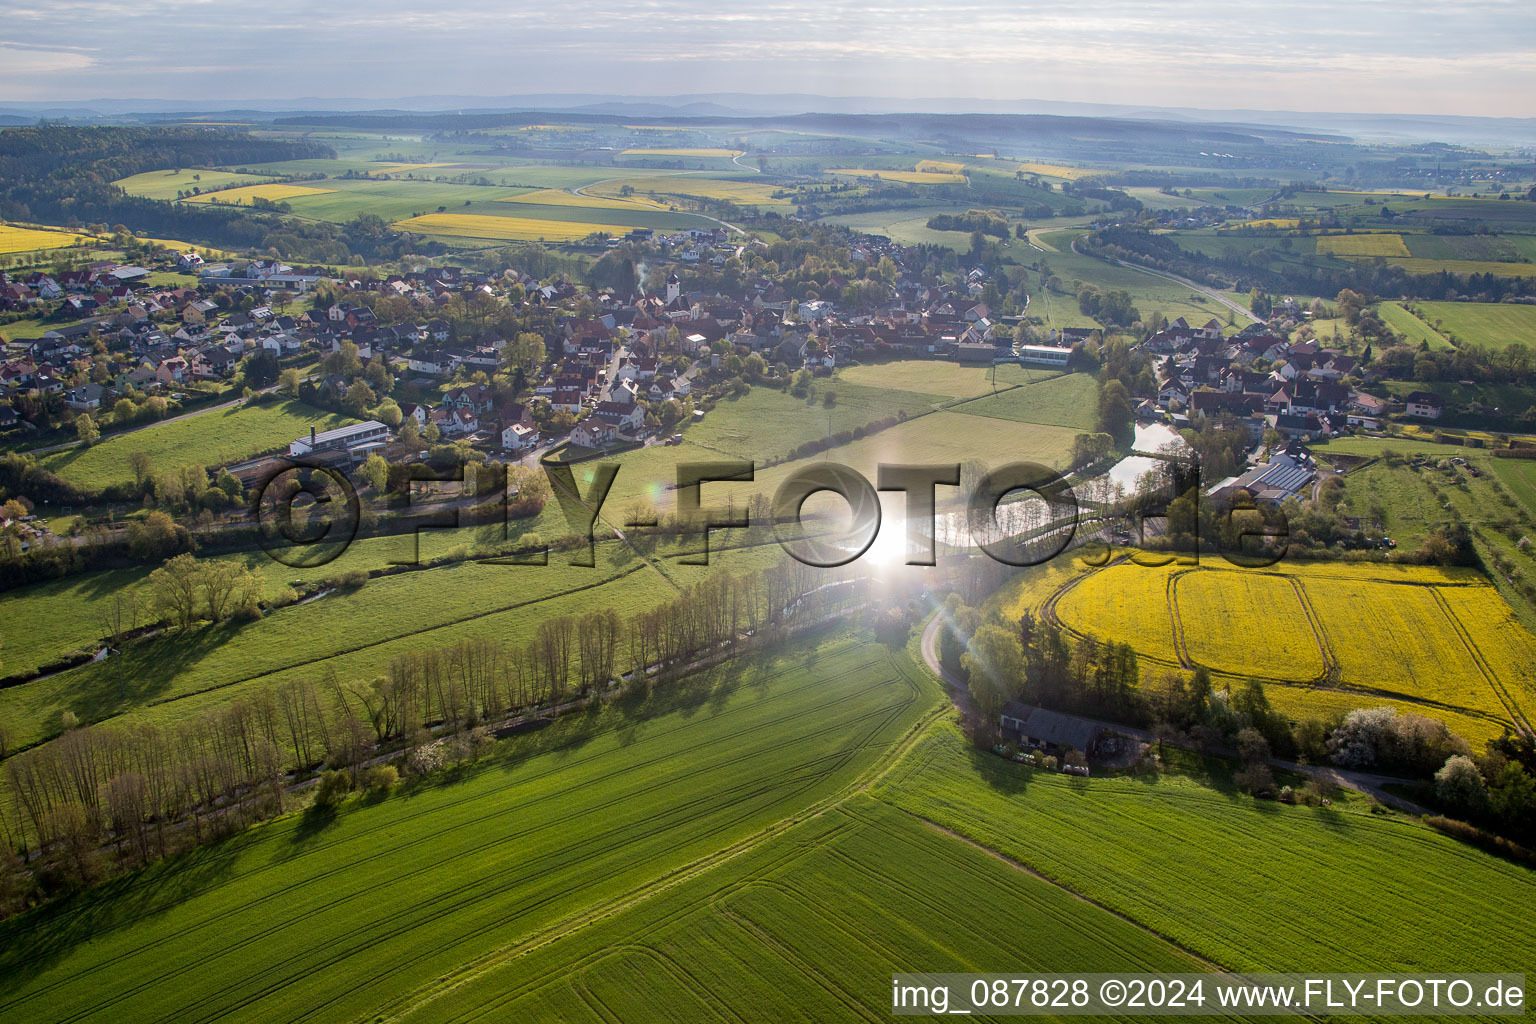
(311, 437)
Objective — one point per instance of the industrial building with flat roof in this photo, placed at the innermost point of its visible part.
(357, 435)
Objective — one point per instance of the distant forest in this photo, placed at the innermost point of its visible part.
(52, 174)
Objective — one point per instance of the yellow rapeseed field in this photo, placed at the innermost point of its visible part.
(943, 166)
(1437, 642)
(1124, 603)
(1362, 245)
(276, 192)
(466, 225)
(16, 238)
(1216, 612)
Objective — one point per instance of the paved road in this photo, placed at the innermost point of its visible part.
(1362, 782)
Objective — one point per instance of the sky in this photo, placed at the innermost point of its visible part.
(1474, 57)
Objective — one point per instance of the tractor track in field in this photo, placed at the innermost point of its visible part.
(468, 973)
(465, 900)
(481, 820)
(1516, 715)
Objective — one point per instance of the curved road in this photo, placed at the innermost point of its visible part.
(1362, 782)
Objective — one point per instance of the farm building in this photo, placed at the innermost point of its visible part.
(346, 438)
(1024, 723)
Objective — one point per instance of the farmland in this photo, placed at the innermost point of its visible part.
(461, 225)
(458, 875)
(246, 194)
(905, 177)
(1424, 639)
(1362, 245)
(1065, 401)
(18, 238)
(203, 439)
(1163, 855)
(744, 192)
(683, 152)
(1495, 325)
(559, 197)
(742, 833)
(168, 184)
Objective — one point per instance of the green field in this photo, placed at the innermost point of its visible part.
(1186, 860)
(337, 917)
(766, 424)
(938, 376)
(770, 840)
(1070, 400)
(1484, 324)
(203, 439)
(1413, 330)
(165, 184)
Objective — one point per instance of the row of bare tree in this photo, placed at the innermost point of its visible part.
(144, 790)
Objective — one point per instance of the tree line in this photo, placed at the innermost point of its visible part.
(109, 797)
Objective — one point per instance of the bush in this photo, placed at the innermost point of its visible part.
(333, 786)
(381, 778)
(1256, 779)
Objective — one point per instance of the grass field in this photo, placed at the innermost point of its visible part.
(765, 841)
(560, 197)
(937, 376)
(458, 225)
(1460, 267)
(1437, 641)
(705, 151)
(1494, 325)
(1069, 400)
(747, 193)
(1414, 330)
(767, 424)
(1184, 858)
(276, 192)
(1362, 245)
(906, 177)
(587, 815)
(17, 238)
(166, 184)
(205, 439)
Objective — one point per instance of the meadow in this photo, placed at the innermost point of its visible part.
(1494, 325)
(560, 197)
(1069, 400)
(370, 906)
(1414, 330)
(939, 376)
(202, 439)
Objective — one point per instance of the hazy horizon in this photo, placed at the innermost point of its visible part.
(1387, 58)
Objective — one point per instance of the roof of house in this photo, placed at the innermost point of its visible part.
(1053, 727)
